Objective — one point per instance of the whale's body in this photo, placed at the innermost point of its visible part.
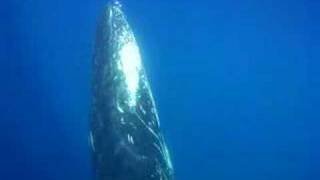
(125, 134)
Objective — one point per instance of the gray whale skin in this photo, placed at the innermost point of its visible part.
(125, 133)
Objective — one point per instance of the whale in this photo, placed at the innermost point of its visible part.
(125, 135)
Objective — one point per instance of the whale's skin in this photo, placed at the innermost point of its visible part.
(125, 135)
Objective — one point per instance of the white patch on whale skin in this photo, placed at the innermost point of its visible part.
(130, 139)
(91, 141)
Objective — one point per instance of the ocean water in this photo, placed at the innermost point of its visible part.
(236, 83)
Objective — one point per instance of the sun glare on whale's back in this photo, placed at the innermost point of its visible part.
(130, 63)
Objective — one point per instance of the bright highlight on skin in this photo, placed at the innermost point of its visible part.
(130, 62)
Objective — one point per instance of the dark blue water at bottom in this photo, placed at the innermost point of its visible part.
(236, 84)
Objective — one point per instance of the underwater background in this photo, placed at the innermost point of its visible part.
(236, 83)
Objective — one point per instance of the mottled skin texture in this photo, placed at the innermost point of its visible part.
(125, 135)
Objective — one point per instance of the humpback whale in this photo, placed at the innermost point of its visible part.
(125, 135)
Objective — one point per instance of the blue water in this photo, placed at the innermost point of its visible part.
(237, 85)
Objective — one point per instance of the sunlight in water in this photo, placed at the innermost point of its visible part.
(131, 65)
